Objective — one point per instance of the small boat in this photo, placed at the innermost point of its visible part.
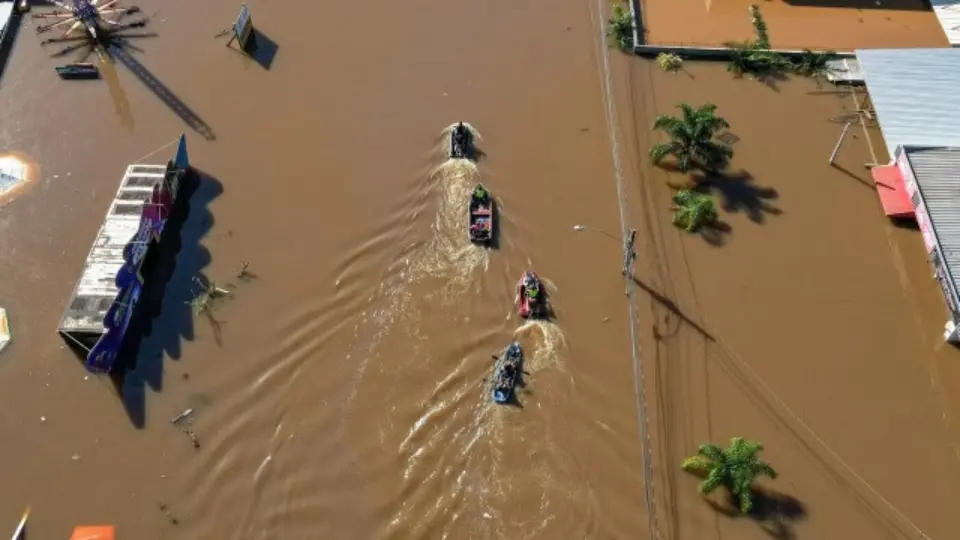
(78, 71)
(531, 300)
(507, 372)
(4, 329)
(461, 142)
(21, 531)
(480, 219)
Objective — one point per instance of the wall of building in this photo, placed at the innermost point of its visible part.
(926, 230)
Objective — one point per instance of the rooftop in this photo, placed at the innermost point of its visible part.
(914, 93)
(937, 173)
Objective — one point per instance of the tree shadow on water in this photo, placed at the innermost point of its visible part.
(738, 193)
(164, 317)
(715, 233)
(776, 513)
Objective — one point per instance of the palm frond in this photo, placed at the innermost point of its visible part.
(660, 151)
(697, 465)
(715, 479)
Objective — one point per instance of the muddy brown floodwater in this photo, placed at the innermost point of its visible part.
(809, 322)
(344, 394)
(842, 25)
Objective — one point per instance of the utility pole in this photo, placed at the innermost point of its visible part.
(628, 253)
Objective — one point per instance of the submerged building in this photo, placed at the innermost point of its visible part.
(915, 95)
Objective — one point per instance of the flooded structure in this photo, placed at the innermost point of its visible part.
(104, 301)
(948, 15)
(913, 94)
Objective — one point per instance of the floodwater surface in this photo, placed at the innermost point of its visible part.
(842, 25)
(340, 391)
(806, 320)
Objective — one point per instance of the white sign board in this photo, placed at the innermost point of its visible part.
(243, 27)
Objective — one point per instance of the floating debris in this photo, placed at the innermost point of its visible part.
(4, 329)
(181, 416)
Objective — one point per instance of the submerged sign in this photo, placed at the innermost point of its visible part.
(243, 27)
(129, 280)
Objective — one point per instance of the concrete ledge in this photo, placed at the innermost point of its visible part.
(713, 53)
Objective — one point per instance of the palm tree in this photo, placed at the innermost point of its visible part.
(620, 28)
(691, 138)
(813, 64)
(735, 468)
(693, 210)
(747, 58)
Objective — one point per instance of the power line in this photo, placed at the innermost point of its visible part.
(628, 257)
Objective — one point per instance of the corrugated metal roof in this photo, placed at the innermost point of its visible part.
(937, 172)
(97, 288)
(948, 13)
(916, 95)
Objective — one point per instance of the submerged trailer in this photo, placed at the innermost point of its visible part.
(105, 299)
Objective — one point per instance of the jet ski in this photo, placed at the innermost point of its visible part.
(480, 218)
(507, 372)
(461, 142)
(531, 300)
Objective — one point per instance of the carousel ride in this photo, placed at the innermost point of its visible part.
(90, 26)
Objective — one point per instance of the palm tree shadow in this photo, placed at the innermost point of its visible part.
(715, 234)
(772, 79)
(776, 513)
(739, 193)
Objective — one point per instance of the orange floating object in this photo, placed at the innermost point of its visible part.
(94, 532)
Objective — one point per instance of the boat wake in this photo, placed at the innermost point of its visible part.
(449, 255)
(462, 470)
(548, 346)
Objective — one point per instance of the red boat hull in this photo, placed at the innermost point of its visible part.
(524, 306)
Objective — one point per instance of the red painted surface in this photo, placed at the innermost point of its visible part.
(893, 194)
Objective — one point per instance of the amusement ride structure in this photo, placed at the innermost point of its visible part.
(90, 25)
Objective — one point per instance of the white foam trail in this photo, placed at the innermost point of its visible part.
(549, 350)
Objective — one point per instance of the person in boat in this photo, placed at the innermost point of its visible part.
(508, 372)
(533, 291)
(479, 193)
(460, 136)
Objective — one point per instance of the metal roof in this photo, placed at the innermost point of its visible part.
(948, 13)
(916, 95)
(97, 288)
(937, 174)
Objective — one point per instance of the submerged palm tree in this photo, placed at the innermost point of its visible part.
(813, 64)
(692, 138)
(735, 468)
(747, 58)
(620, 28)
(693, 210)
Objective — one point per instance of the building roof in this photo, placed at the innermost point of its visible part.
(948, 13)
(937, 174)
(916, 95)
(97, 288)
